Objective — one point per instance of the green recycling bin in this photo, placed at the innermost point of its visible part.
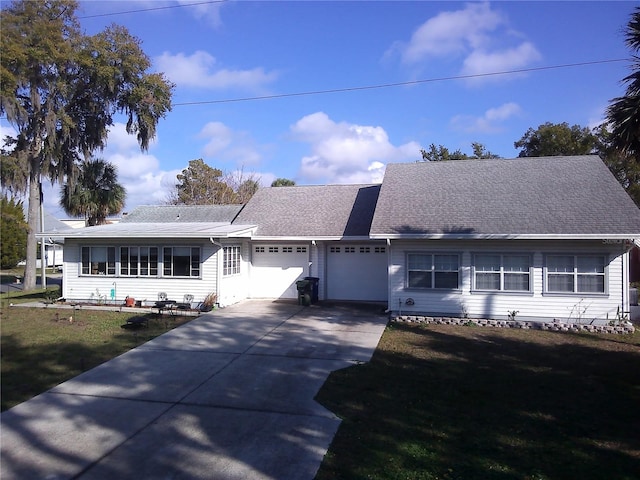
(304, 292)
(315, 282)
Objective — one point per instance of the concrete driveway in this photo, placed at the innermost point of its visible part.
(227, 396)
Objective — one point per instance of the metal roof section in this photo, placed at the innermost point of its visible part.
(182, 214)
(162, 230)
(52, 225)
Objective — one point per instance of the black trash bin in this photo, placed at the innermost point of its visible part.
(314, 282)
(304, 292)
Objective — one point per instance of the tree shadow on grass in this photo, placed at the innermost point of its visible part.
(169, 409)
(30, 369)
(467, 403)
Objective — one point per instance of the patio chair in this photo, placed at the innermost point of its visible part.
(164, 303)
(186, 302)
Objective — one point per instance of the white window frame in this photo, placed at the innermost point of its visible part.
(576, 274)
(91, 263)
(501, 272)
(231, 260)
(150, 268)
(195, 261)
(432, 270)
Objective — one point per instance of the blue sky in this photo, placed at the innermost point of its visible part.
(224, 56)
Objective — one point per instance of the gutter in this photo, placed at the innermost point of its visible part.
(492, 236)
(360, 238)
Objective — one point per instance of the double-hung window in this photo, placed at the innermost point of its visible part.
(427, 270)
(181, 261)
(139, 261)
(231, 260)
(98, 260)
(576, 273)
(508, 272)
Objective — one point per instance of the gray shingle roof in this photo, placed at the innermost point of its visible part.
(311, 211)
(52, 225)
(182, 213)
(525, 196)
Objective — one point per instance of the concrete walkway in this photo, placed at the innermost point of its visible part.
(227, 396)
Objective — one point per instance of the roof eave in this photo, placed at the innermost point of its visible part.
(494, 236)
(319, 238)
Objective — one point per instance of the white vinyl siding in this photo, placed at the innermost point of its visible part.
(77, 286)
(537, 303)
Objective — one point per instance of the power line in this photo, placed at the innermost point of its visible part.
(151, 9)
(399, 84)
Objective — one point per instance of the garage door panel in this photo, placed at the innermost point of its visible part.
(276, 268)
(357, 272)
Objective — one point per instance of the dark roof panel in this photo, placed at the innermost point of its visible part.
(525, 196)
(311, 211)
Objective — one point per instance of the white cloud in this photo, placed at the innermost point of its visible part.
(138, 172)
(490, 122)
(210, 12)
(219, 137)
(479, 35)
(479, 62)
(452, 33)
(120, 141)
(227, 144)
(347, 153)
(201, 70)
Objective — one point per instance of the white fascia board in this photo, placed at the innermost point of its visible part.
(328, 238)
(611, 236)
(259, 238)
(244, 233)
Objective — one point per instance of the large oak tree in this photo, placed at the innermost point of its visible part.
(60, 89)
(201, 184)
(553, 139)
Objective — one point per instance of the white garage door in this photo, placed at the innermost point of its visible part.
(276, 268)
(357, 272)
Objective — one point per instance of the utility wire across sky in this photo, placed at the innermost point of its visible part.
(399, 84)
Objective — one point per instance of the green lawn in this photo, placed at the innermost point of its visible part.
(43, 347)
(450, 402)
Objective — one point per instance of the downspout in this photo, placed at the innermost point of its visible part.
(626, 296)
(389, 307)
(312, 250)
(218, 270)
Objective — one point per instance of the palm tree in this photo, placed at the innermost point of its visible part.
(95, 194)
(624, 112)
